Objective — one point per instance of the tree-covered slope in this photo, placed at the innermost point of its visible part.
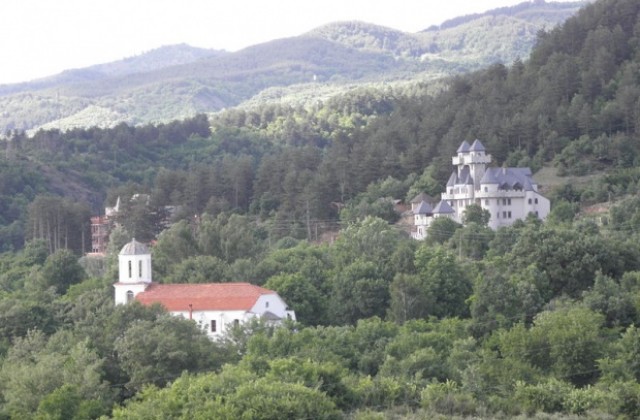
(534, 320)
(178, 81)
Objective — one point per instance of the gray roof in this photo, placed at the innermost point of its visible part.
(134, 248)
(270, 316)
(464, 147)
(477, 146)
(453, 179)
(465, 177)
(423, 208)
(443, 207)
(507, 178)
(489, 177)
(422, 197)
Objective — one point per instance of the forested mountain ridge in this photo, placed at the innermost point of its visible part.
(155, 59)
(180, 81)
(535, 320)
(464, 40)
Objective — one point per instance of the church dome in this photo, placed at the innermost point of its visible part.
(134, 248)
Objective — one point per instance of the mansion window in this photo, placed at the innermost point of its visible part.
(486, 189)
(129, 269)
(129, 296)
(509, 214)
(213, 325)
(536, 201)
(529, 201)
(140, 268)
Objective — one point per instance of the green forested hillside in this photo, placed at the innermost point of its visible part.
(536, 320)
(180, 81)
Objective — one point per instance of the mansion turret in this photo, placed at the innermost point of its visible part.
(508, 194)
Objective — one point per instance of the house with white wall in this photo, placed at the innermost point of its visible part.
(424, 214)
(216, 307)
(507, 193)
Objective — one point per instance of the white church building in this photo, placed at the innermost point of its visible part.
(508, 194)
(216, 307)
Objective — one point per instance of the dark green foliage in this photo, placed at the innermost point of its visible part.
(476, 214)
(61, 270)
(301, 295)
(446, 283)
(536, 319)
(156, 352)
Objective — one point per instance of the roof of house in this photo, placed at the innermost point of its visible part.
(443, 207)
(203, 297)
(477, 146)
(422, 197)
(453, 179)
(270, 316)
(464, 147)
(134, 248)
(423, 208)
(508, 178)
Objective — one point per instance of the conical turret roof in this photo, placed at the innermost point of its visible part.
(464, 147)
(477, 146)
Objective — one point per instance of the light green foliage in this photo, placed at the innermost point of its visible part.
(421, 351)
(36, 367)
(447, 398)
(566, 342)
(234, 394)
(546, 396)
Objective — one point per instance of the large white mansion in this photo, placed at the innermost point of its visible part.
(508, 194)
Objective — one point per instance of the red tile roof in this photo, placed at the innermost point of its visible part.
(209, 296)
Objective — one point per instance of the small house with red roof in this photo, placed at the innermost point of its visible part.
(216, 307)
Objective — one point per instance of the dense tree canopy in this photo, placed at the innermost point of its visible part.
(538, 318)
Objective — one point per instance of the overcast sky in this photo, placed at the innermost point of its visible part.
(43, 37)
